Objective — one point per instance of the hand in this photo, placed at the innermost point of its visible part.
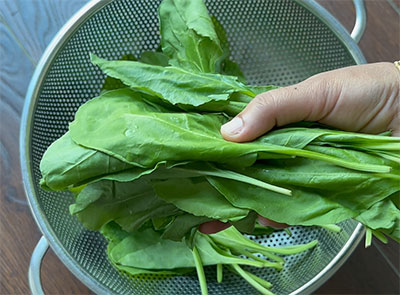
(359, 98)
(362, 98)
(214, 226)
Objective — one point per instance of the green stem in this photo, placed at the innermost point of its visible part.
(390, 157)
(235, 259)
(368, 237)
(272, 256)
(385, 146)
(240, 177)
(380, 236)
(332, 227)
(289, 233)
(267, 254)
(200, 271)
(251, 281)
(342, 163)
(262, 282)
(290, 250)
(219, 273)
(231, 238)
(388, 175)
(310, 154)
(248, 92)
(276, 265)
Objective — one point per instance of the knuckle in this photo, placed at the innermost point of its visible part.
(265, 100)
(324, 84)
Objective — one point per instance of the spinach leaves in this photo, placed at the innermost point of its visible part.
(147, 164)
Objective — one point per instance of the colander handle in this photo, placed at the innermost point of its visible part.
(361, 20)
(35, 283)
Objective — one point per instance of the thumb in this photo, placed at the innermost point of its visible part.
(308, 100)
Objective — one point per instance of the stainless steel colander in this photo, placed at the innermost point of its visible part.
(274, 41)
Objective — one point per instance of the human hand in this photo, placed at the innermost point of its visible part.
(363, 98)
(359, 98)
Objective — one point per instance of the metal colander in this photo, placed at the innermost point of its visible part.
(274, 41)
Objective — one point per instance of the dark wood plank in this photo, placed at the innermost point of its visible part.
(396, 4)
(18, 231)
(12, 201)
(14, 78)
(373, 270)
(35, 22)
(365, 272)
(381, 39)
(57, 279)
(391, 254)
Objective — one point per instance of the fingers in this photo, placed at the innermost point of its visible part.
(212, 227)
(268, 222)
(276, 108)
(359, 98)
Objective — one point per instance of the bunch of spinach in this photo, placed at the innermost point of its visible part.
(148, 165)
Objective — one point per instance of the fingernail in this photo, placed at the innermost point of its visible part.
(233, 127)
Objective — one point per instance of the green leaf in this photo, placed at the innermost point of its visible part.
(197, 197)
(320, 191)
(160, 223)
(154, 58)
(145, 134)
(130, 204)
(181, 225)
(261, 230)
(114, 234)
(207, 169)
(188, 36)
(246, 225)
(384, 217)
(66, 163)
(176, 85)
(228, 67)
(147, 250)
(231, 68)
(111, 83)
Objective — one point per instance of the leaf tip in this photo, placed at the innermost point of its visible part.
(95, 59)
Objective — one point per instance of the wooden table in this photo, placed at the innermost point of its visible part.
(26, 27)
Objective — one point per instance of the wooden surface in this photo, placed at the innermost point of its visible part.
(26, 27)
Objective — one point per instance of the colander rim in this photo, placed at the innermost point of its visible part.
(26, 128)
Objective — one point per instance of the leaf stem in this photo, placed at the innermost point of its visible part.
(259, 280)
(247, 91)
(287, 230)
(235, 259)
(342, 163)
(332, 227)
(251, 281)
(368, 237)
(380, 236)
(267, 254)
(232, 238)
(219, 273)
(200, 271)
(239, 177)
(276, 265)
(387, 156)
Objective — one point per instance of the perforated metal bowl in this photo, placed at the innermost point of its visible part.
(274, 41)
